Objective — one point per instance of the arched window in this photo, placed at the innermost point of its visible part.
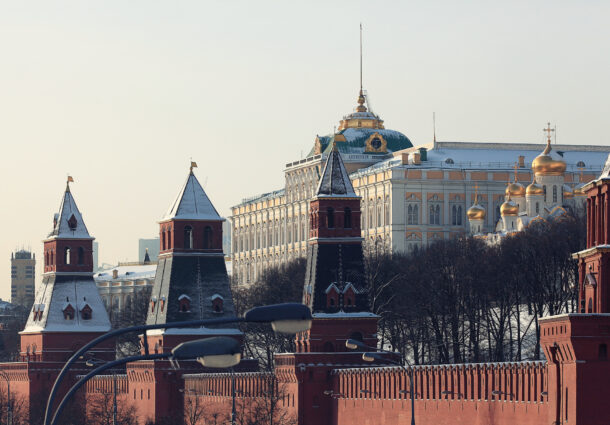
(46, 258)
(169, 238)
(537, 208)
(207, 237)
(554, 193)
(163, 236)
(459, 216)
(347, 218)
(67, 255)
(330, 218)
(81, 255)
(590, 308)
(454, 215)
(544, 190)
(188, 237)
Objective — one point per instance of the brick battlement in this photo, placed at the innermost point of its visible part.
(516, 382)
(104, 384)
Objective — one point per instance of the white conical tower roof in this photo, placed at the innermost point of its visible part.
(335, 181)
(68, 222)
(192, 203)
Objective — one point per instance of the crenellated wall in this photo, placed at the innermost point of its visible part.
(499, 393)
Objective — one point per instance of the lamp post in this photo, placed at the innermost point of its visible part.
(92, 362)
(284, 318)
(353, 344)
(9, 408)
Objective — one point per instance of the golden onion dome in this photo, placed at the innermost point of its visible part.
(534, 189)
(544, 164)
(476, 212)
(567, 192)
(509, 208)
(515, 189)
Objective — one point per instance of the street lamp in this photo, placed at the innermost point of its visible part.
(354, 344)
(9, 408)
(284, 318)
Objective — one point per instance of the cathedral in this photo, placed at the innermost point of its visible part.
(547, 197)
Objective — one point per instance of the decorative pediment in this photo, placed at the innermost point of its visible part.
(376, 144)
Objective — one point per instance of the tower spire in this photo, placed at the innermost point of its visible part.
(361, 99)
(360, 57)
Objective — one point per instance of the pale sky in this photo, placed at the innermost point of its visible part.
(120, 94)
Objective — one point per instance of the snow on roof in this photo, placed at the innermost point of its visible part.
(342, 314)
(184, 296)
(335, 181)
(213, 297)
(69, 221)
(488, 157)
(57, 292)
(145, 271)
(194, 331)
(192, 203)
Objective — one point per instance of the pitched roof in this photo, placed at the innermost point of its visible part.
(68, 222)
(335, 181)
(54, 295)
(192, 203)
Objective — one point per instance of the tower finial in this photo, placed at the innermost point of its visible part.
(193, 165)
(68, 181)
(360, 57)
(361, 99)
(548, 130)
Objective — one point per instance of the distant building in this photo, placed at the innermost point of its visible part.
(96, 256)
(153, 249)
(23, 264)
(226, 237)
(118, 285)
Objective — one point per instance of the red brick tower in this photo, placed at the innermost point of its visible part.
(336, 291)
(335, 279)
(191, 280)
(191, 283)
(576, 345)
(68, 310)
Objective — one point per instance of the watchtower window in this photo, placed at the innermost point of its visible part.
(217, 303)
(330, 218)
(72, 222)
(81, 255)
(68, 311)
(207, 237)
(184, 303)
(188, 237)
(86, 312)
(67, 256)
(347, 218)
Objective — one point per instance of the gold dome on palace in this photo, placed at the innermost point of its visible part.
(534, 189)
(509, 208)
(545, 165)
(515, 189)
(476, 212)
(567, 192)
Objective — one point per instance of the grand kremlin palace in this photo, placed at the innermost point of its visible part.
(411, 195)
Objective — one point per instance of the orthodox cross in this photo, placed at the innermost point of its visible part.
(548, 130)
